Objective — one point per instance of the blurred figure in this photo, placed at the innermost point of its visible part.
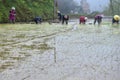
(59, 16)
(116, 19)
(38, 20)
(83, 19)
(98, 19)
(65, 18)
(86, 18)
(12, 14)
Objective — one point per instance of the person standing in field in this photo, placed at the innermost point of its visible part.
(116, 19)
(59, 15)
(12, 15)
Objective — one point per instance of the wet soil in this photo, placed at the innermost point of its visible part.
(59, 52)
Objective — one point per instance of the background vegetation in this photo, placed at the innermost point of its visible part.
(26, 10)
(113, 8)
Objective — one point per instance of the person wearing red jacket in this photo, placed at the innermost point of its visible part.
(12, 14)
(82, 19)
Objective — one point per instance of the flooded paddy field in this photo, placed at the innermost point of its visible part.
(59, 52)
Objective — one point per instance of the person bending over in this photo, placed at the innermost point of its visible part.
(65, 19)
(82, 19)
(98, 19)
(115, 19)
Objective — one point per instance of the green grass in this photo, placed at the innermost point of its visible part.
(14, 36)
(19, 36)
(42, 46)
(6, 65)
(4, 55)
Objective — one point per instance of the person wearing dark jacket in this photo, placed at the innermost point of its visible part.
(59, 16)
(116, 19)
(38, 20)
(98, 19)
(65, 19)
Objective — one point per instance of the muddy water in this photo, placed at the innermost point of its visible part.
(83, 53)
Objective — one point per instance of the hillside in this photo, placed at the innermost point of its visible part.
(26, 10)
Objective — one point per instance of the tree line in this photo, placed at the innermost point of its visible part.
(113, 8)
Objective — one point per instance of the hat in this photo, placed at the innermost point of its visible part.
(116, 17)
(13, 8)
(58, 11)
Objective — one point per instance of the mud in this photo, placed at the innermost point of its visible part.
(60, 52)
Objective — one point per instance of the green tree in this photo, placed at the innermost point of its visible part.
(26, 10)
(113, 8)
